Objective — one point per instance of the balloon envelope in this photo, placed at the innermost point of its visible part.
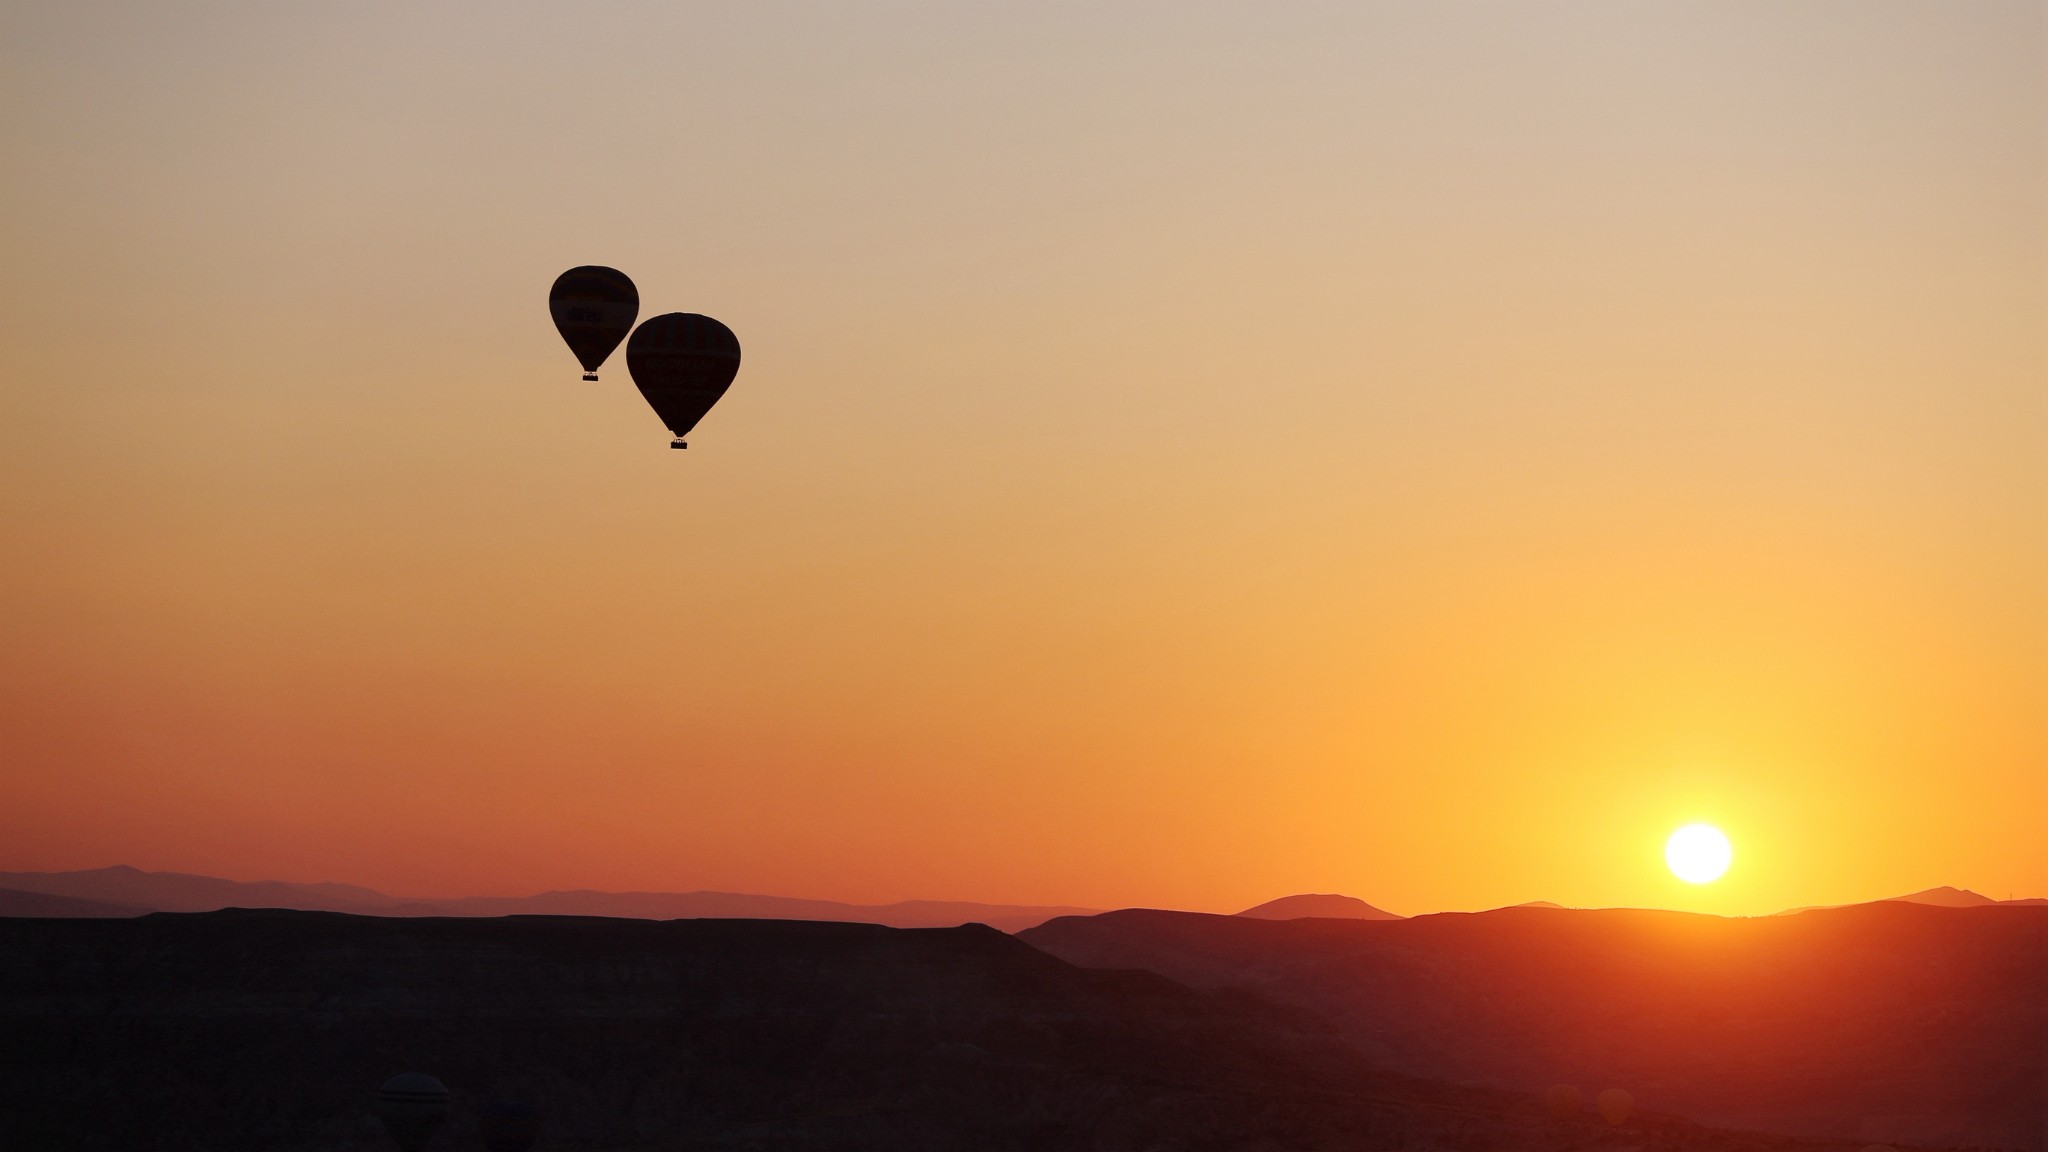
(412, 1106)
(1563, 1100)
(594, 308)
(682, 363)
(1615, 1105)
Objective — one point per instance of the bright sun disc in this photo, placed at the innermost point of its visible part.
(1698, 853)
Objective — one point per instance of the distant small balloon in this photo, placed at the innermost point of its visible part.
(682, 363)
(1563, 1100)
(509, 1126)
(1615, 1105)
(412, 1106)
(594, 307)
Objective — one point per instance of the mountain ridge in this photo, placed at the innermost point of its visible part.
(128, 891)
(42, 905)
(139, 891)
(1893, 1022)
(1941, 897)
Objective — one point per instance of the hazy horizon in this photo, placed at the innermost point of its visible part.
(1184, 455)
(946, 898)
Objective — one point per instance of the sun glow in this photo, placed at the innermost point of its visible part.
(1698, 853)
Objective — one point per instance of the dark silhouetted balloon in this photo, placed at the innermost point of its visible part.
(683, 363)
(1563, 1100)
(509, 1126)
(412, 1106)
(1614, 1105)
(593, 308)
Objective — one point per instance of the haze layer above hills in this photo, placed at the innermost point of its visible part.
(1895, 1021)
(272, 1029)
(136, 892)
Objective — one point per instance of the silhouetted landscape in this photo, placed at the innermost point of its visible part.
(1915, 1020)
(1896, 1021)
(1433, 576)
(271, 1029)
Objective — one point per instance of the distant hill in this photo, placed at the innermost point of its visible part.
(1893, 1022)
(1946, 897)
(18, 903)
(739, 906)
(134, 890)
(1537, 904)
(180, 892)
(1330, 907)
(271, 1029)
(1942, 897)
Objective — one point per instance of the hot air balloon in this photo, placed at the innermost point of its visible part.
(1614, 1105)
(593, 309)
(509, 1126)
(412, 1106)
(1563, 1100)
(683, 363)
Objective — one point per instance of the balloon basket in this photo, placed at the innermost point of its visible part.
(677, 444)
(590, 375)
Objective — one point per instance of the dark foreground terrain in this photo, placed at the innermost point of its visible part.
(271, 1030)
(1893, 1022)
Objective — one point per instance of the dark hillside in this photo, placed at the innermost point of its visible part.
(271, 1030)
(1881, 1022)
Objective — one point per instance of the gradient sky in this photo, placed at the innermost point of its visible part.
(1185, 453)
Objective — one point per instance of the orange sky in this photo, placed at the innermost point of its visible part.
(1185, 454)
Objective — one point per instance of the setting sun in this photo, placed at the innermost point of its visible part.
(1698, 853)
